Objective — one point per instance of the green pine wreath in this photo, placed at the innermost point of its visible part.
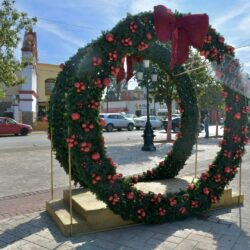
(74, 122)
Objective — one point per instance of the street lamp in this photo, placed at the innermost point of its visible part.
(142, 76)
(107, 100)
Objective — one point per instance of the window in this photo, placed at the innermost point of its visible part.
(112, 116)
(10, 121)
(120, 117)
(49, 85)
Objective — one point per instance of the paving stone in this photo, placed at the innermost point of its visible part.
(64, 247)
(18, 244)
(154, 242)
(213, 219)
(206, 234)
(105, 244)
(218, 228)
(228, 241)
(45, 233)
(20, 233)
(32, 246)
(2, 244)
(241, 246)
(122, 235)
(4, 225)
(182, 233)
(136, 243)
(174, 239)
(210, 247)
(243, 239)
(8, 238)
(186, 244)
(201, 238)
(164, 228)
(166, 246)
(88, 246)
(36, 239)
(206, 246)
(162, 236)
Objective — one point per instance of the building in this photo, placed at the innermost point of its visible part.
(27, 102)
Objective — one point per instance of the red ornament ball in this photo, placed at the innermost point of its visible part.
(95, 156)
(106, 81)
(237, 116)
(221, 39)
(75, 116)
(109, 37)
(61, 66)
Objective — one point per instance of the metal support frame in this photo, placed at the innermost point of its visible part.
(51, 165)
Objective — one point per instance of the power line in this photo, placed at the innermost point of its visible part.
(80, 27)
(244, 46)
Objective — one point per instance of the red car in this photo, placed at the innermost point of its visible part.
(10, 126)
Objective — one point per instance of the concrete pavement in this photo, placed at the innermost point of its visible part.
(220, 229)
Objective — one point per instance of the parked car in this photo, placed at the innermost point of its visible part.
(155, 121)
(10, 126)
(118, 121)
(132, 116)
(176, 124)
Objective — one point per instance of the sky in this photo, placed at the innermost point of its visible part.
(65, 26)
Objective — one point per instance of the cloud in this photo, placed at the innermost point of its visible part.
(147, 5)
(235, 11)
(66, 37)
(244, 24)
(247, 64)
(109, 11)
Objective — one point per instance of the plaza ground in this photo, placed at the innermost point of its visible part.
(25, 185)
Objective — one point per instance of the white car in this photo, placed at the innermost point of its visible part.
(155, 121)
(118, 121)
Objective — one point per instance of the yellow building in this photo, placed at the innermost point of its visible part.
(46, 76)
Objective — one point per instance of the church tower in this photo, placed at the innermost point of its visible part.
(28, 92)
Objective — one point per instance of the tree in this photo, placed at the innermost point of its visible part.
(164, 92)
(12, 22)
(113, 92)
(208, 90)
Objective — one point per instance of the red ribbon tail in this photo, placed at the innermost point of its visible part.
(129, 62)
(120, 76)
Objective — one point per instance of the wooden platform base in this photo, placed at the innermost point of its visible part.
(92, 215)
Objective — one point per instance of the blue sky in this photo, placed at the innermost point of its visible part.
(65, 26)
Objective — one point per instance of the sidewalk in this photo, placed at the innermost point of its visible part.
(221, 229)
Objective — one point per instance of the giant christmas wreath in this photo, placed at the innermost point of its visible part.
(74, 122)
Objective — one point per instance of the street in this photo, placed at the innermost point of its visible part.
(25, 161)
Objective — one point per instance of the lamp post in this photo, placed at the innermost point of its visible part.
(142, 76)
(107, 100)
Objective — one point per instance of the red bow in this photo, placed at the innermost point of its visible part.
(183, 32)
(129, 63)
